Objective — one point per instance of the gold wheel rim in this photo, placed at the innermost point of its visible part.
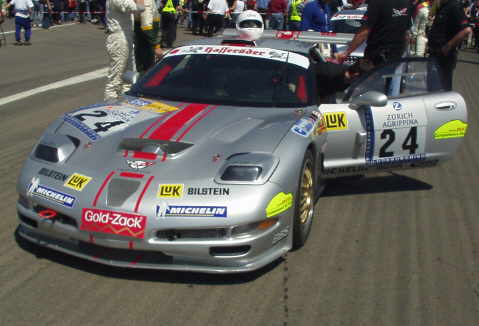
(306, 196)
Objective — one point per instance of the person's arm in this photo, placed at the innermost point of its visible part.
(458, 18)
(456, 40)
(360, 37)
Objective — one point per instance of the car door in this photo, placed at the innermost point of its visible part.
(420, 125)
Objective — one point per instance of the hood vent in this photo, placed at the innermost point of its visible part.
(119, 190)
(153, 146)
(56, 148)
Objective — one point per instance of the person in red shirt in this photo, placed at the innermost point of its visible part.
(277, 10)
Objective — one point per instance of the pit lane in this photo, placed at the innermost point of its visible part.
(394, 249)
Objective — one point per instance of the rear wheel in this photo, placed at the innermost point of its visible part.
(304, 202)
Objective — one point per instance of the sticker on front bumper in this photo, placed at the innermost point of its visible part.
(58, 197)
(191, 211)
(111, 222)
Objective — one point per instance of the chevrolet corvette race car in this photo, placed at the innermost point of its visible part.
(213, 160)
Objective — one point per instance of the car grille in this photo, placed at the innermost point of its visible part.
(193, 234)
(125, 255)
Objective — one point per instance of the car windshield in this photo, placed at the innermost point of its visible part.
(228, 80)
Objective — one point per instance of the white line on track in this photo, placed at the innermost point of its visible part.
(39, 28)
(62, 83)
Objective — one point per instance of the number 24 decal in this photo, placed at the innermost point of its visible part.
(102, 126)
(410, 143)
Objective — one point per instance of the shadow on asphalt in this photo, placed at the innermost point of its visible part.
(373, 184)
(187, 278)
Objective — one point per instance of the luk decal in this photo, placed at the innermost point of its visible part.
(280, 235)
(53, 174)
(138, 165)
(280, 203)
(191, 211)
(77, 181)
(451, 129)
(170, 191)
(336, 121)
(58, 197)
(111, 222)
(208, 191)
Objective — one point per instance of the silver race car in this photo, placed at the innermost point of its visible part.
(214, 159)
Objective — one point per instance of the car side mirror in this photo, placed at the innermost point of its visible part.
(370, 98)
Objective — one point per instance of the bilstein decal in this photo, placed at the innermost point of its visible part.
(280, 203)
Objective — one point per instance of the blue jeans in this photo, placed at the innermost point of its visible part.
(276, 21)
(37, 13)
(24, 23)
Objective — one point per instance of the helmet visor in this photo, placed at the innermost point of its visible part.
(250, 24)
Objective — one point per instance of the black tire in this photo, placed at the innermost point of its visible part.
(304, 202)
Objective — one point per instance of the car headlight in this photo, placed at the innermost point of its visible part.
(241, 173)
(247, 168)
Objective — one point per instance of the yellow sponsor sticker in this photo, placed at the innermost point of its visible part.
(77, 181)
(158, 107)
(280, 203)
(336, 121)
(451, 129)
(170, 191)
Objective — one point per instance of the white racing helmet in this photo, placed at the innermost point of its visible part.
(249, 25)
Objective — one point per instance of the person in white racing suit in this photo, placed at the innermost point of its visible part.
(250, 25)
(119, 43)
(420, 20)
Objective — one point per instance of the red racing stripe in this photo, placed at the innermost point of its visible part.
(143, 193)
(108, 177)
(154, 124)
(144, 155)
(194, 123)
(168, 129)
(131, 175)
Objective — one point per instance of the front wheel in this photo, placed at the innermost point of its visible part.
(304, 202)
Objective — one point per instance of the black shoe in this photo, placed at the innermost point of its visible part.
(18, 43)
(27, 43)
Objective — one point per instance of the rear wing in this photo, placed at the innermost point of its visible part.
(313, 37)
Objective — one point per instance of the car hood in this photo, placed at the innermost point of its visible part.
(153, 135)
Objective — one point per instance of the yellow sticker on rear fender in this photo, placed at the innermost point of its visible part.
(280, 203)
(451, 129)
(77, 181)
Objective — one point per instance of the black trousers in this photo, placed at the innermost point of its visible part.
(168, 29)
(215, 23)
(144, 50)
(446, 67)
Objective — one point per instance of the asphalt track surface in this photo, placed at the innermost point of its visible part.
(393, 249)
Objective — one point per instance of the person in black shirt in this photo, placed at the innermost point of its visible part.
(449, 29)
(385, 31)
